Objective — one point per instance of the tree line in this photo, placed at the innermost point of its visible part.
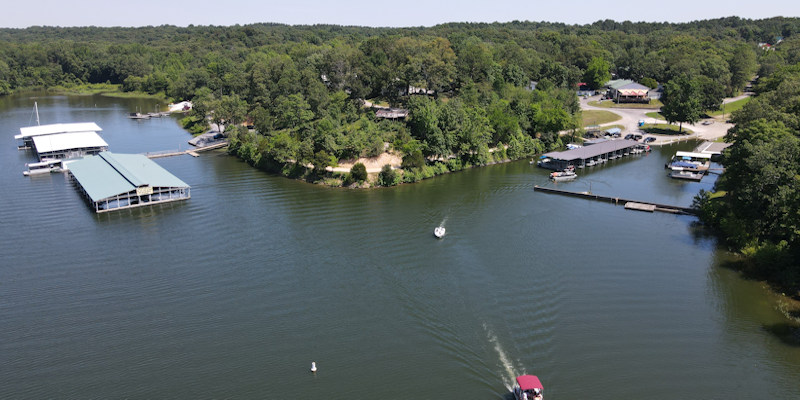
(755, 204)
(300, 87)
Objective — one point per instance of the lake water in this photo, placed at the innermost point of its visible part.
(233, 293)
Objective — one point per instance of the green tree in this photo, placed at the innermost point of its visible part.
(682, 101)
(230, 111)
(321, 160)
(292, 111)
(358, 172)
(414, 159)
(597, 73)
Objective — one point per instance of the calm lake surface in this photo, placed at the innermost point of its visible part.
(233, 293)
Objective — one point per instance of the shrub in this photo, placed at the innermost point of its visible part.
(387, 176)
(413, 160)
(359, 172)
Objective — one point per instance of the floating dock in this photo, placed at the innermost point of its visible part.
(714, 149)
(629, 204)
(191, 152)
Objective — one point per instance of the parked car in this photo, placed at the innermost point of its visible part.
(708, 122)
(650, 139)
(629, 136)
(637, 137)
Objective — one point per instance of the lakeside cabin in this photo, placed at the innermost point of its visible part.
(118, 181)
(62, 141)
(588, 156)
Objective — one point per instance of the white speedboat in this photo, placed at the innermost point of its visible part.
(439, 232)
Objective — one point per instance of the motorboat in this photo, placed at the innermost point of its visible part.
(439, 232)
(687, 175)
(528, 388)
(566, 175)
(44, 167)
(137, 115)
(546, 162)
(688, 161)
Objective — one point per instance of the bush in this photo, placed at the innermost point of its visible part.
(387, 176)
(359, 172)
(413, 160)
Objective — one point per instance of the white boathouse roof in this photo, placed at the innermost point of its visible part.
(51, 129)
(66, 141)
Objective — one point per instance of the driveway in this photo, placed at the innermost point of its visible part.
(631, 116)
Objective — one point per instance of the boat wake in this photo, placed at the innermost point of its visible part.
(509, 373)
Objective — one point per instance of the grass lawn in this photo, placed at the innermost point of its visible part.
(730, 107)
(654, 104)
(380, 102)
(597, 117)
(665, 129)
(655, 114)
(105, 89)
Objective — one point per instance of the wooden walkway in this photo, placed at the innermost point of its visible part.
(192, 152)
(629, 204)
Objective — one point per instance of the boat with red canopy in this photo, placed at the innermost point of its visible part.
(528, 388)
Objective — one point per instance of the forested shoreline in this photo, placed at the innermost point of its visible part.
(301, 90)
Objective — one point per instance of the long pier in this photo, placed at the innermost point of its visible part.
(192, 152)
(629, 204)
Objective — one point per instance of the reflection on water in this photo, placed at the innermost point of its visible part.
(234, 292)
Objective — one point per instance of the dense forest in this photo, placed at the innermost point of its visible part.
(292, 97)
(755, 205)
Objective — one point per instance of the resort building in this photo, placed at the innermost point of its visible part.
(627, 91)
(117, 181)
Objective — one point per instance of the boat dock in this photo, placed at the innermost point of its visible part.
(191, 152)
(629, 204)
(714, 149)
(591, 155)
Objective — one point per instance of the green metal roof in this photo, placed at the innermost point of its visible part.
(618, 83)
(108, 174)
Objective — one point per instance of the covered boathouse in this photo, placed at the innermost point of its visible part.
(62, 141)
(588, 156)
(117, 181)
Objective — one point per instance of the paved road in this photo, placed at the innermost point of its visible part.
(630, 120)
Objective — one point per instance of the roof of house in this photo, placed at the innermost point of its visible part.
(108, 174)
(618, 83)
(392, 113)
(66, 141)
(633, 86)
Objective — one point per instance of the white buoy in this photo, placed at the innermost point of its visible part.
(313, 367)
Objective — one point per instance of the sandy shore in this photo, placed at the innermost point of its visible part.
(373, 164)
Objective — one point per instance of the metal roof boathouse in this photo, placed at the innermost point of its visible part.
(117, 181)
(588, 156)
(62, 141)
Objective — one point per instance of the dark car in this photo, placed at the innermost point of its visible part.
(650, 139)
(629, 136)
